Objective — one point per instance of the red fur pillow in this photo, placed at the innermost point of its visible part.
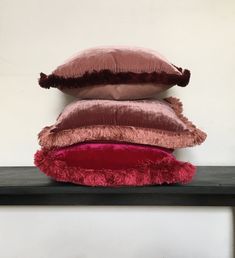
(137, 73)
(113, 164)
(152, 122)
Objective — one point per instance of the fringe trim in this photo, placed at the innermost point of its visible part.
(147, 136)
(109, 77)
(177, 106)
(168, 170)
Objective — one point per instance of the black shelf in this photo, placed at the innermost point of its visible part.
(212, 186)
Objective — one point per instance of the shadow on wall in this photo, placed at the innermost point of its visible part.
(65, 100)
(181, 153)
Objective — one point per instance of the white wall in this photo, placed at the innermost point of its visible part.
(37, 35)
(108, 232)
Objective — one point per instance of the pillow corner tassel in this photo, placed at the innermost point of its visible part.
(184, 78)
(44, 81)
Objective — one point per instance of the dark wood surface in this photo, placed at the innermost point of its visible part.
(212, 186)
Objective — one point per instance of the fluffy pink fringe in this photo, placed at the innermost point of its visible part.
(188, 138)
(168, 171)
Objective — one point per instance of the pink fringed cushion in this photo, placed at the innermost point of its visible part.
(140, 73)
(152, 122)
(113, 164)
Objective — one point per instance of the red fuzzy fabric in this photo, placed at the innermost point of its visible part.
(108, 164)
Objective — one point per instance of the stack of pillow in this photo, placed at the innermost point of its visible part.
(117, 133)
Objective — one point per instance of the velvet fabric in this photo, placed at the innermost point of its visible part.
(115, 65)
(155, 114)
(113, 164)
(117, 91)
(157, 123)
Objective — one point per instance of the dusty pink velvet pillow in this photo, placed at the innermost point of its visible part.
(117, 91)
(113, 164)
(152, 122)
(140, 72)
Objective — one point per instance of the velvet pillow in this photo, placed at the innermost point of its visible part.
(113, 66)
(113, 164)
(117, 91)
(152, 122)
